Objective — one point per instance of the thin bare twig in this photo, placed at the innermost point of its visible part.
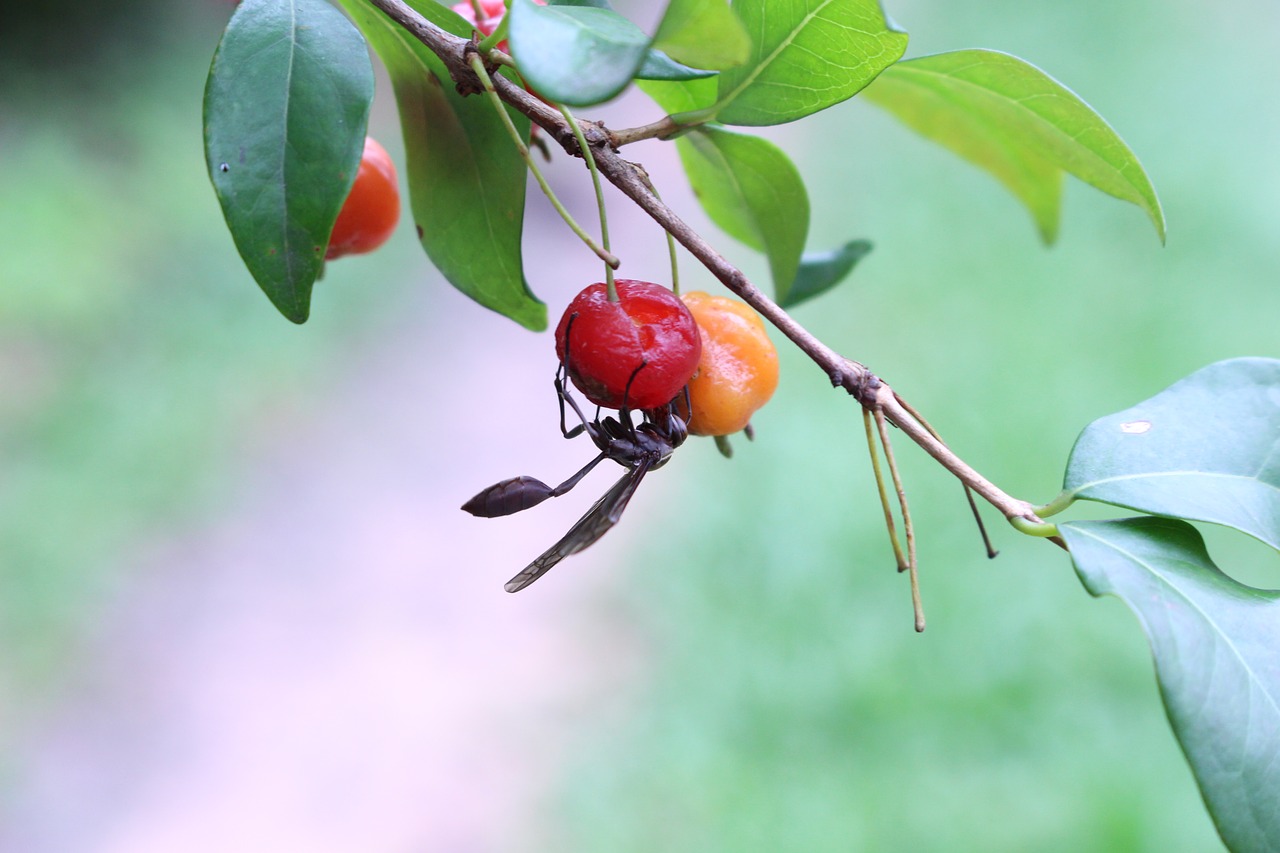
(660, 129)
(907, 526)
(889, 525)
(863, 385)
(992, 553)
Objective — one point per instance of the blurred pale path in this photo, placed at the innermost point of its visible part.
(240, 608)
(315, 651)
(334, 665)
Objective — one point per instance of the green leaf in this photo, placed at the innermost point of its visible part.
(576, 55)
(821, 271)
(749, 187)
(658, 66)
(680, 96)
(466, 177)
(1207, 449)
(806, 55)
(285, 110)
(1025, 128)
(703, 33)
(1216, 645)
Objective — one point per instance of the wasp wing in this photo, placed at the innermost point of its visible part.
(602, 516)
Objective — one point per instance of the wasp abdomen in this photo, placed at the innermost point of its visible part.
(510, 496)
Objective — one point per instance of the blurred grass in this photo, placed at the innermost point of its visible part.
(136, 354)
(789, 704)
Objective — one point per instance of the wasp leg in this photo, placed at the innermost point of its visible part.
(563, 394)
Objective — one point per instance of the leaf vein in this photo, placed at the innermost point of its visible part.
(1209, 620)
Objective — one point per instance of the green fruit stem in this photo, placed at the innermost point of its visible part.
(611, 262)
(495, 38)
(600, 205)
(1042, 529)
(1055, 506)
(671, 242)
(868, 390)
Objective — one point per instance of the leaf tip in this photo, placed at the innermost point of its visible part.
(535, 319)
(1157, 219)
(1048, 232)
(296, 314)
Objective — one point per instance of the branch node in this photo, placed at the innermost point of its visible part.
(596, 133)
(861, 384)
(874, 396)
(468, 83)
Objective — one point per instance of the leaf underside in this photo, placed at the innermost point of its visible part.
(821, 271)
(1018, 123)
(750, 188)
(680, 96)
(703, 33)
(466, 177)
(1216, 645)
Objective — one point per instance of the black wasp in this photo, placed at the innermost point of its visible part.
(638, 448)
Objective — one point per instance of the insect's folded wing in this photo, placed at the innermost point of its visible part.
(603, 515)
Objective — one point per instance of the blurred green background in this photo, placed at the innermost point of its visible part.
(760, 685)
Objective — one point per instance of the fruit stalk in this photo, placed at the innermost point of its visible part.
(611, 262)
(671, 241)
(863, 385)
(595, 183)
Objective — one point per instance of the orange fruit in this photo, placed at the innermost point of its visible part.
(372, 208)
(738, 370)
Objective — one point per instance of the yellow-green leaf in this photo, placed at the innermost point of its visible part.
(1018, 123)
(703, 33)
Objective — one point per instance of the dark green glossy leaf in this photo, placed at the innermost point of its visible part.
(1207, 448)
(285, 109)
(821, 271)
(750, 188)
(466, 177)
(1019, 124)
(576, 55)
(806, 55)
(1216, 645)
(658, 66)
(703, 33)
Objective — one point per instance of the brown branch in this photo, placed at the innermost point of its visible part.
(863, 385)
(660, 129)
